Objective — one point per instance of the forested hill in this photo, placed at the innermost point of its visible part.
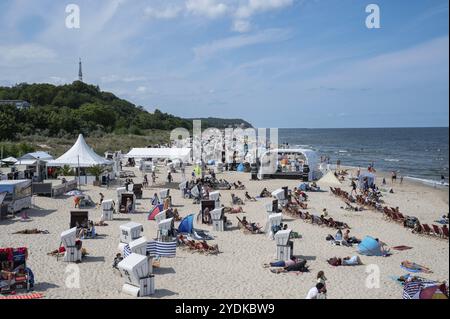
(221, 123)
(67, 110)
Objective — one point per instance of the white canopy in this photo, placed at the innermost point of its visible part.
(9, 160)
(164, 153)
(80, 155)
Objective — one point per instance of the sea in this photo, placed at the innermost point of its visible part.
(419, 154)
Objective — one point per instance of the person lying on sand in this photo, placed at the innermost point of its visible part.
(281, 263)
(31, 232)
(249, 198)
(236, 210)
(346, 261)
(411, 265)
(299, 265)
(101, 224)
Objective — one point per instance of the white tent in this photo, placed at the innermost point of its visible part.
(80, 155)
(161, 153)
(330, 179)
(9, 160)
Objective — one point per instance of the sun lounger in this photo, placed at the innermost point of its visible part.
(426, 229)
(437, 230)
(444, 232)
(247, 228)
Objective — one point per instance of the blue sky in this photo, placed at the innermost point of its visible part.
(275, 63)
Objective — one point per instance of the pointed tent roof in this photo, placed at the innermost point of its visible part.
(330, 179)
(80, 155)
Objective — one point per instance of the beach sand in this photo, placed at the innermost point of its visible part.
(237, 272)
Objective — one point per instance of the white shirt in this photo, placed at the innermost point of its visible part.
(312, 293)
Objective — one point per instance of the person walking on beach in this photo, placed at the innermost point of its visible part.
(338, 164)
(145, 182)
(354, 192)
(183, 171)
(153, 178)
(169, 177)
(101, 199)
(394, 177)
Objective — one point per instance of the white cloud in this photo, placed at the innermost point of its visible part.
(126, 79)
(241, 26)
(25, 53)
(58, 80)
(141, 89)
(416, 65)
(169, 12)
(244, 12)
(209, 8)
(257, 6)
(235, 42)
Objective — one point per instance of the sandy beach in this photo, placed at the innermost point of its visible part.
(237, 271)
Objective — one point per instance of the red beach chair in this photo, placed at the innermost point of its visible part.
(444, 232)
(426, 229)
(437, 230)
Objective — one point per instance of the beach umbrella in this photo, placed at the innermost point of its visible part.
(432, 292)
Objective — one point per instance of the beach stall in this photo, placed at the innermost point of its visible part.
(300, 164)
(33, 165)
(18, 194)
(81, 157)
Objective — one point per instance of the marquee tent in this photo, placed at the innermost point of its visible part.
(80, 155)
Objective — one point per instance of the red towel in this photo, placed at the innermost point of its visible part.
(29, 296)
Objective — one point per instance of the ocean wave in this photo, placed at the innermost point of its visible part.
(427, 181)
(342, 151)
(391, 160)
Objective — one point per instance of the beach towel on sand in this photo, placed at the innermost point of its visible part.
(401, 248)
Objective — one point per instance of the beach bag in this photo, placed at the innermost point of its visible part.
(30, 276)
(411, 221)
